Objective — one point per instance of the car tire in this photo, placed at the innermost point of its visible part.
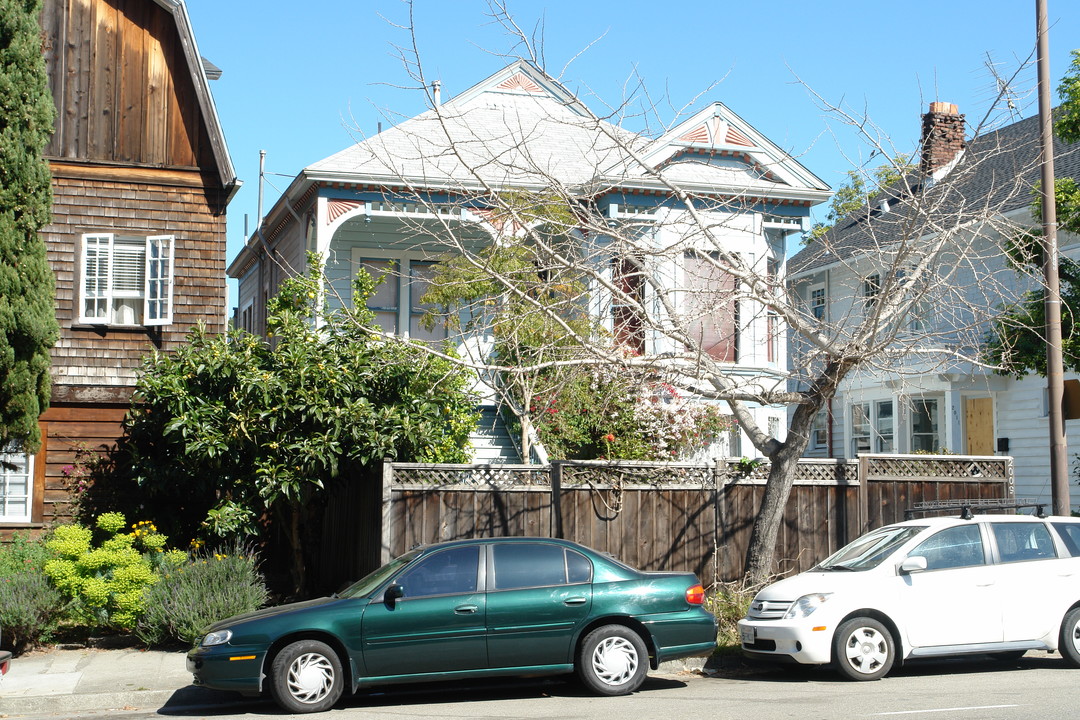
(306, 676)
(1069, 642)
(863, 649)
(613, 660)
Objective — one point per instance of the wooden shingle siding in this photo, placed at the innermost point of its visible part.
(121, 86)
(92, 354)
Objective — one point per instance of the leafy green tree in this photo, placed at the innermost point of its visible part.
(855, 193)
(28, 327)
(230, 435)
(1016, 343)
(534, 324)
(1067, 122)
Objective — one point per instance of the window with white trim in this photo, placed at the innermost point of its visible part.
(817, 302)
(420, 276)
(383, 302)
(924, 425)
(871, 289)
(872, 427)
(16, 484)
(819, 432)
(126, 280)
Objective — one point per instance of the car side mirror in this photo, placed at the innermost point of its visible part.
(915, 563)
(393, 594)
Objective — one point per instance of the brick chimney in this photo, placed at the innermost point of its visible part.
(942, 136)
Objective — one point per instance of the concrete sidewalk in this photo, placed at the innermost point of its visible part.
(62, 680)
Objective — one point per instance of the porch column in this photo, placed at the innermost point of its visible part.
(953, 431)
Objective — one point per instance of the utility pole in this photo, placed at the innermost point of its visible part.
(1055, 372)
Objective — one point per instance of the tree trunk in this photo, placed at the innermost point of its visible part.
(761, 553)
(298, 568)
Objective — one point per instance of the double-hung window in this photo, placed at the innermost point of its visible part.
(16, 484)
(871, 289)
(126, 280)
(817, 303)
(924, 425)
(872, 427)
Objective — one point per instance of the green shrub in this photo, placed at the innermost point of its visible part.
(208, 588)
(30, 607)
(105, 583)
(729, 603)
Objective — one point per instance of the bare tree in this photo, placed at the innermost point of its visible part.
(630, 256)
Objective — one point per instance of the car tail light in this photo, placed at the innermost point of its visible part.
(695, 595)
(4, 667)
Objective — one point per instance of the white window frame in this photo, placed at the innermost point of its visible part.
(935, 418)
(819, 430)
(7, 454)
(871, 290)
(872, 434)
(158, 269)
(818, 302)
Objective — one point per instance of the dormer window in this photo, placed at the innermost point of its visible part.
(126, 280)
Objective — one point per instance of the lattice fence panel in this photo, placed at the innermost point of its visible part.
(647, 474)
(473, 475)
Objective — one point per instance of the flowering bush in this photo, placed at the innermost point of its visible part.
(608, 413)
(191, 595)
(105, 583)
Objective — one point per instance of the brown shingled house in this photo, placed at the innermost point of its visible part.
(141, 180)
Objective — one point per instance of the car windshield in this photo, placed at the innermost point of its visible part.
(871, 549)
(367, 585)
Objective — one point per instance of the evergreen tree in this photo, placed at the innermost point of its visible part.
(28, 327)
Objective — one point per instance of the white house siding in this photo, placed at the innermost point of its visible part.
(1021, 418)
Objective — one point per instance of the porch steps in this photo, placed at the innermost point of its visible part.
(490, 440)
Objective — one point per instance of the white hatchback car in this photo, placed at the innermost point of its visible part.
(989, 584)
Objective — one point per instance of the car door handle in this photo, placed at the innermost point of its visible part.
(466, 609)
(575, 601)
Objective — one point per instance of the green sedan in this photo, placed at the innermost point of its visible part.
(476, 608)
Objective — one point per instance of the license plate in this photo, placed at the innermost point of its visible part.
(747, 635)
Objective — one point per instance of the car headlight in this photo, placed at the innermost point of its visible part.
(806, 605)
(218, 637)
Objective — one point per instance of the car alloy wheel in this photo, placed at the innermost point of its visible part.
(306, 677)
(863, 649)
(613, 660)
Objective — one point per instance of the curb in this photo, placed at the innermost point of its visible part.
(188, 698)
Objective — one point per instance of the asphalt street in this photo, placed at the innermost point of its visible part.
(971, 689)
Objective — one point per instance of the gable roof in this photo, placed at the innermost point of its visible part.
(998, 171)
(196, 67)
(521, 128)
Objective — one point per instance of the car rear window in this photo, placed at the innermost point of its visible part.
(1070, 535)
(521, 565)
(1023, 541)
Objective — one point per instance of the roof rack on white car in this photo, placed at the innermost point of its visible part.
(967, 506)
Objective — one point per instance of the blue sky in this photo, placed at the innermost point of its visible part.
(304, 80)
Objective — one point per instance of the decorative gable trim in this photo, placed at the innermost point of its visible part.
(519, 82)
(715, 132)
(336, 208)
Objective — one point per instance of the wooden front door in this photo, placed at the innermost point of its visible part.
(979, 424)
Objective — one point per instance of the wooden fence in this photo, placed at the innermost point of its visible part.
(663, 516)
